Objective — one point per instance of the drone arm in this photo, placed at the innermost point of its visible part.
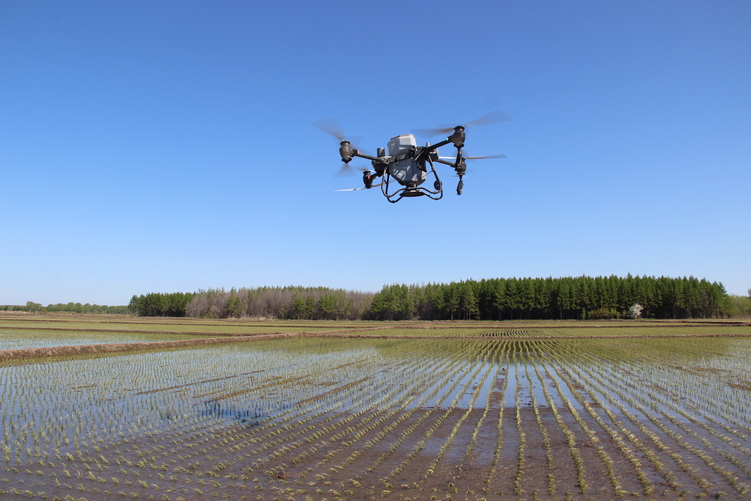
(444, 162)
(433, 147)
(427, 150)
(356, 153)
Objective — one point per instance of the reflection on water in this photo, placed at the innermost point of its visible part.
(51, 405)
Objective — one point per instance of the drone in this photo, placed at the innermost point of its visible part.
(407, 163)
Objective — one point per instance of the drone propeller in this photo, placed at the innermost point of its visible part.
(461, 166)
(474, 158)
(362, 188)
(331, 127)
(491, 118)
(347, 170)
(347, 147)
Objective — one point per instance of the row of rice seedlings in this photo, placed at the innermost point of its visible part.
(221, 427)
(549, 463)
(497, 359)
(636, 443)
(510, 333)
(424, 384)
(488, 357)
(670, 406)
(453, 473)
(683, 385)
(636, 400)
(442, 392)
(616, 434)
(62, 391)
(283, 420)
(708, 381)
(384, 427)
(573, 448)
(345, 418)
(421, 442)
(23, 405)
(651, 400)
(338, 437)
(521, 452)
(23, 339)
(499, 423)
(605, 459)
(147, 451)
(71, 457)
(700, 380)
(599, 390)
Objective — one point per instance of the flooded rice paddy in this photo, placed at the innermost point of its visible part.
(320, 418)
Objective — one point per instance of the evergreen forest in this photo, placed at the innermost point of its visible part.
(490, 299)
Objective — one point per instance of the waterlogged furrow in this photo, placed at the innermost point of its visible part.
(45, 412)
(502, 414)
(663, 402)
(382, 427)
(435, 424)
(612, 390)
(627, 452)
(653, 414)
(388, 396)
(11, 339)
(486, 369)
(331, 415)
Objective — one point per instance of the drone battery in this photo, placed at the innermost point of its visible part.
(401, 144)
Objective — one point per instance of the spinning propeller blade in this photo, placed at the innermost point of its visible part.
(331, 127)
(363, 188)
(474, 158)
(487, 156)
(347, 147)
(348, 170)
(491, 118)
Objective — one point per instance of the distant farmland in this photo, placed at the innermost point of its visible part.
(171, 409)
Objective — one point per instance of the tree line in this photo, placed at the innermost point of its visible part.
(155, 304)
(298, 303)
(31, 306)
(552, 298)
(491, 299)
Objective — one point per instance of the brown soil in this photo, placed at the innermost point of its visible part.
(238, 461)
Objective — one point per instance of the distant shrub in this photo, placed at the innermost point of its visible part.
(635, 311)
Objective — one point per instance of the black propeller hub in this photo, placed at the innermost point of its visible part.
(458, 136)
(367, 178)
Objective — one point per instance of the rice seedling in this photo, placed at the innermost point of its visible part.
(532, 416)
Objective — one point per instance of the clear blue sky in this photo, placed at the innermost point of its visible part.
(165, 146)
